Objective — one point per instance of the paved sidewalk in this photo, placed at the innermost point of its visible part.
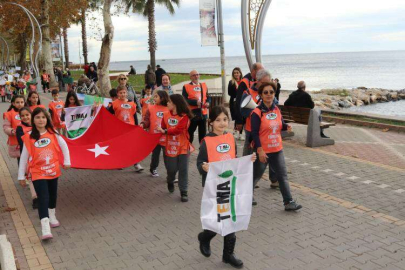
(353, 215)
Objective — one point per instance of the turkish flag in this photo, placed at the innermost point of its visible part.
(110, 143)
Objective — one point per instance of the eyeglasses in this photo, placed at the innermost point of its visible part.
(123, 79)
(195, 75)
(268, 92)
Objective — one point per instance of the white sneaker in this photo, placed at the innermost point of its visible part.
(241, 137)
(46, 229)
(52, 218)
(176, 180)
(138, 167)
(155, 173)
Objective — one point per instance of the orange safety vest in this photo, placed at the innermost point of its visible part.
(56, 108)
(270, 130)
(248, 83)
(220, 148)
(145, 103)
(14, 118)
(176, 144)
(25, 128)
(125, 110)
(33, 107)
(255, 98)
(156, 115)
(45, 156)
(194, 93)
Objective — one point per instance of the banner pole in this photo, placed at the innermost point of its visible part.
(222, 49)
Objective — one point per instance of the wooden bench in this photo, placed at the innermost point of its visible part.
(309, 117)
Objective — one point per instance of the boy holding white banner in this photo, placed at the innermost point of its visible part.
(225, 206)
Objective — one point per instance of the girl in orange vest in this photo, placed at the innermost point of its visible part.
(153, 120)
(55, 110)
(22, 129)
(125, 111)
(175, 125)
(71, 101)
(33, 101)
(146, 100)
(267, 124)
(11, 121)
(218, 123)
(42, 153)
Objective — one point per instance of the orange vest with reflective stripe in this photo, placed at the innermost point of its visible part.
(145, 103)
(45, 156)
(270, 130)
(124, 110)
(14, 118)
(155, 118)
(194, 93)
(56, 108)
(255, 98)
(176, 144)
(33, 107)
(220, 148)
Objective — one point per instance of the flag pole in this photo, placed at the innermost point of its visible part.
(221, 45)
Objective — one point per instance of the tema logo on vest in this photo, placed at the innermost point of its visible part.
(197, 88)
(159, 114)
(223, 148)
(17, 117)
(42, 142)
(226, 197)
(59, 106)
(173, 121)
(125, 106)
(271, 116)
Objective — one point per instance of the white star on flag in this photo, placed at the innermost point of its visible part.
(99, 150)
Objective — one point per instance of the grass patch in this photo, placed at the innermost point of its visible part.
(336, 92)
(366, 119)
(137, 81)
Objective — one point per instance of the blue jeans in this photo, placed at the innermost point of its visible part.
(277, 170)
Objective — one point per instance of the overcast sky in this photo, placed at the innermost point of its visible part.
(292, 27)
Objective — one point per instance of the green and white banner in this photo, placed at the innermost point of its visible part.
(226, 204)
(78, 120)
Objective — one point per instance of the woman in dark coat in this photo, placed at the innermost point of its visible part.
(232, 90)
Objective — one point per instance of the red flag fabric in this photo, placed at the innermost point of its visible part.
(110, 144)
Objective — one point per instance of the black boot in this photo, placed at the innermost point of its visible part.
(184, 197)
(228, 255)
(323, 135)
(205, 238)
(170, 187)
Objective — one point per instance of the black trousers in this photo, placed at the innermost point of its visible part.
(202, 129)
(47, 192)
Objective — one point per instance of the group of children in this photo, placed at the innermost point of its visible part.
(34, 139)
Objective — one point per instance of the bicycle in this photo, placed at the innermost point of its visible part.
(83, 89)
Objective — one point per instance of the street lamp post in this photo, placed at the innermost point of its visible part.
(222, 48)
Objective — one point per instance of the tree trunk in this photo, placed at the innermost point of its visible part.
(66, 47)
(105, 53)
(84, 36)
(22, 61)
(46, 42)
(152, 32)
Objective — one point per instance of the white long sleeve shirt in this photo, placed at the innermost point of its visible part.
(25, 156)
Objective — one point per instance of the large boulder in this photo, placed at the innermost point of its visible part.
(344, 104)
(365, 98)
(373, 99)
(394, 95)
(359, 102)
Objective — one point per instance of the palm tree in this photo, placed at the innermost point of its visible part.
(147, 9)
(66, 46)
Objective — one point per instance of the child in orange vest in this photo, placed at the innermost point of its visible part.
(153, 120)
(33, 101)
(55, 110)
(125, 111)
(218, 123)
(175, 125)
(42, 153)
(22, 129)
(146, 100)
(11, 121)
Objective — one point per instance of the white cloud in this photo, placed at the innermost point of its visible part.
(396, 36)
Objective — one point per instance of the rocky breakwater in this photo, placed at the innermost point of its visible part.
(338, 99)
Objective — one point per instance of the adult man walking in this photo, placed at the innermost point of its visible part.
(246, 83)
(159, 72)
(150, 77)
(196, 95)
